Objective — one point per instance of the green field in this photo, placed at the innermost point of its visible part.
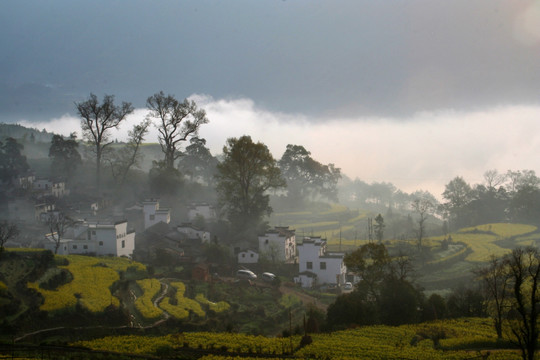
(452, 339)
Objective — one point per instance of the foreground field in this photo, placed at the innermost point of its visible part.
(451, 339)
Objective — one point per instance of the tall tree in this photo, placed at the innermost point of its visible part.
(129, 156)
(176, 122)
(244, 177)
(7, 231)
(524, 270)
(525, 202)
(458, 195)
(373, 264)
(64, 154)
(197, 162)
(423, 208)
(307, 177)
(12, 162)
(58, 224)
(496, 280)
(379, 228)
(97, 119)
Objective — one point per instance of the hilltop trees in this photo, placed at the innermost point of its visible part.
(458, 195)
(64, 154)
(97, 119)
(12, 162)
(247, 172)
(176, 122)
(197, 162)
(307, 177)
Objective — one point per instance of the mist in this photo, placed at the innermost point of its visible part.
(421, 152)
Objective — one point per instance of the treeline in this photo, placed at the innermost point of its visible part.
(513, 196)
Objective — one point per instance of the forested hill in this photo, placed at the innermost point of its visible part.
(20, 132)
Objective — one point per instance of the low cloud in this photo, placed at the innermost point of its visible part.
(422, 152)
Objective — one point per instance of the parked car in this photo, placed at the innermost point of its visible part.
(268, 277)
(348, 286)
(246, 274)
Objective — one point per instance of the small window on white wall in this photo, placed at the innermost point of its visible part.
(123, 244)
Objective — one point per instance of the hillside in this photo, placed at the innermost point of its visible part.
(84, 291)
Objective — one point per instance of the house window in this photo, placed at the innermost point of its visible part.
(75, 246)
(243, 255)
(152, 217)
(323, 265)
(101, 243)
(123, 244)
(251, 255)
(309, 265)
(266, 241)
(85, 247)
(93, 232)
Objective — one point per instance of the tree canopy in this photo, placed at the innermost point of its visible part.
(246, 174)
(12, 162)
(97, 119)
(176, 122)
(64, 154)
(307, 177)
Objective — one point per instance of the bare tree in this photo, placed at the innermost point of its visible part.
(496, 280)
(524, 270)
(493, 179)
(7, 231)
(129, 156)
(423, 208)
(97, 121)
(177, 121)
(58, 224)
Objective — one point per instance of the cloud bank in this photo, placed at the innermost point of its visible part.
(422, 152)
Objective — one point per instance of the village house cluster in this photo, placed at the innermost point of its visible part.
(145, 230)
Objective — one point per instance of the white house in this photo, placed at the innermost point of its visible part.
(26, 210)
(248, 256)
(25, 181)
(193, 233)
(208, 212)
(153, 214)
(317, 266)
(278, 245)
(96, 237)
(49, 187)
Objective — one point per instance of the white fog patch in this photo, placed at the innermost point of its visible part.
(64, 125)
(423, 152)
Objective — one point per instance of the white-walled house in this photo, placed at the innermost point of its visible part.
(27, 210)
(278, 245)
(317, 266)
(193, 233)
(207, 211)
(153, 214)
(55, 188)
(96, 237)
(247, 256)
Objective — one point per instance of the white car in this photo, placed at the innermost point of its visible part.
(348, 286)
(246, 274)
(268, 277)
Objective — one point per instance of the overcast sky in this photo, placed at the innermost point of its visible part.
(409, 92)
